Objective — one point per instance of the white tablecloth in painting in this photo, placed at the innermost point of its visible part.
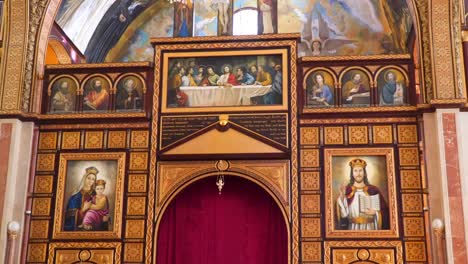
(223, 96)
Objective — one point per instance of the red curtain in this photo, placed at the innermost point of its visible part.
(242, 225)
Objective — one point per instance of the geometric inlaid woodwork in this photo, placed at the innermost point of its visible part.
(413, 226)
(310, 227)
(311, 251)
(382, 134)
(70, 256)
(43, 184)
(138, 161)
(37, 252)
(94, 139)
(363, 252)
(415, 251)
(133, 252)
(310, 204)
(358, 135)
(410, 179)
(139, 139)
(137, 183)
(334, 135)
(39, 229)
(47, 140)
(135, 229)
(309, 135)
(41, 206)
(412, 203)
(45, 162)
(310, 158)
(117, 139)
(71, 140)
(310, 181)
(407, 134)
(136, 205)
(409, 156)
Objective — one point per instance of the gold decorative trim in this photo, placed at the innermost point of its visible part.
(371, 109)
(60, 204)
(282, 36)
(273, 176)
(447, 101)
(98, 65)
(330, 201)
(354, 58)
(329, 245)
(103, 115)
(91, 126)
(116, 246)
(357, 121)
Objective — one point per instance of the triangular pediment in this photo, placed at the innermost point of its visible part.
(231, 141)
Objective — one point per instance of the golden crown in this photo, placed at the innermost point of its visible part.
(358, 162)
(101, 182)
(92, 170)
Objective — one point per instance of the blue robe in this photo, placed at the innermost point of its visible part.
(73, 211)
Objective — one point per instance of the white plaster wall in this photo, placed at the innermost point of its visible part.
(17, 181)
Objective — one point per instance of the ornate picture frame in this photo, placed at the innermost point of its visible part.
(89, 200)
(223, 77)
(360, 193)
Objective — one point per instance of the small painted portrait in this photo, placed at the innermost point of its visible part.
(129, 94)
(360, 192)
(361, 204)
(89, 200)
(88, 206)
(96, 94)
(355, 88)
(392, 87)
(319, 86)
(63, 97)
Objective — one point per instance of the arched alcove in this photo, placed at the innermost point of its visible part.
(242, 224)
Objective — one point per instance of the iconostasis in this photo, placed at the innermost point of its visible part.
(335, 141)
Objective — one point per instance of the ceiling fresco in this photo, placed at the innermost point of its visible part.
(120, 30)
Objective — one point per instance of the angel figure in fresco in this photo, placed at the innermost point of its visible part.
(360, 205)
(96, 216)
(320, 33)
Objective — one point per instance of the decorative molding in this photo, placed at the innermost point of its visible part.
(357, 120)
(356, 247)
(47, 140)
(113, 65)
(283, 36)
(95, 126)
(85, 251)
(358, 135)
(355, 58)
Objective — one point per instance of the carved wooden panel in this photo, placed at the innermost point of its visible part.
(358, 135)
(383, 134)
(310, 181)
(310, 136)
(71, 140)
(47, 141)
(45, 162)
(117, 139)
(94, 139)
(138, 160)
(311, 251)
(310, 158)
(334, 135)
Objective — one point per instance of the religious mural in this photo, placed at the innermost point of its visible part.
(96, 94)
(64, 92)
(355, 89)
(392, 87)
(328, 28)
(319, 87)
(360, 189)
(224, 81)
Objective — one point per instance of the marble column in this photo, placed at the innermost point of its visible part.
(15, 157)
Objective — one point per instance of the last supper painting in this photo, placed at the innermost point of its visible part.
(220, 81)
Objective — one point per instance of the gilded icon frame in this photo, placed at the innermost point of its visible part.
(179, 52)
(117, 161)
(379, 159)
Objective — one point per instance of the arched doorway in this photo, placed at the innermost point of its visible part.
(242, 225)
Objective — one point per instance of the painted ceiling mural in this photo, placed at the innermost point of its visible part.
(120, 30)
